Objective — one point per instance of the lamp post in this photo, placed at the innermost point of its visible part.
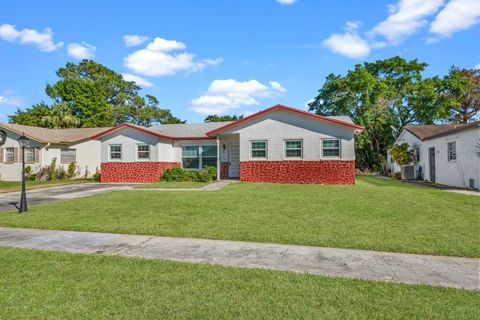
(23, 141)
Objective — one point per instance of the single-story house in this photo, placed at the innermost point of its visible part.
(444, 153)
(65, 145)
(279, 144)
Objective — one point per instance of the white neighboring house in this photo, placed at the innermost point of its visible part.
(445, 154)
(66, 145)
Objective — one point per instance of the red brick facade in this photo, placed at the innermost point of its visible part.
(143, 172)
(224, 170)
(301, 171)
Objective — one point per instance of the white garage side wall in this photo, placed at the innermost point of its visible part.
(279, 125)
(129, 139)
(467, 165)
(13, 171)
(166, 151)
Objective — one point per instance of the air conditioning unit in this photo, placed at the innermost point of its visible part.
(410, 172)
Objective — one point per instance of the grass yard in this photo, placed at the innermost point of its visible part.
(9, 186)
(41, 285)
(374, 214)
(172, 185)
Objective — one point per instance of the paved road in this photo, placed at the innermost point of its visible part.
(70, 191)
(382, 266)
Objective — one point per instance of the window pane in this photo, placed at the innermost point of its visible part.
(331, 143)
(294, 153)
(116, 148)
(115, 152)
(191, 151)
(331, 152)
(293, 144)
(9, 154)
(259, 145)
(143, 152)
(30, 154)
(259, 153)
(209, 161)
(209, 151)
(68, 155)
(191, 163)
(452, 151)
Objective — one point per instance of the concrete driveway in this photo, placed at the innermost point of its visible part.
(38, 196)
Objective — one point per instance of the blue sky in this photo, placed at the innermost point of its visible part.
(232, 57)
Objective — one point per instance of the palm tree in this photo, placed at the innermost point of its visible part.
(61, 117)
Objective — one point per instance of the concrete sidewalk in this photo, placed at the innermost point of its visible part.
(382, 266)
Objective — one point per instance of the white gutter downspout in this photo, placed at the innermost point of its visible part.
(218, 158)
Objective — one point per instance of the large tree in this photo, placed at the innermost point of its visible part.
(216, 118)
(89, 94)
(383, 96)
(461, 95)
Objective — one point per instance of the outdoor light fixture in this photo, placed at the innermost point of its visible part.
(24, 142)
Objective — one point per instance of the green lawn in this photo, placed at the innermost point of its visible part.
(374, 214)
(8, 186)
(172, 185)
(41, 285)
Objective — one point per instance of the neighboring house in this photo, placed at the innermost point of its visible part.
(279, 144)
(66, 145)
(445, 154)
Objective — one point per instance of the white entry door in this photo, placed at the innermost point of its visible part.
(234, 159)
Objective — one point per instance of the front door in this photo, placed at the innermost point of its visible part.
(431, 162)
(234, 159)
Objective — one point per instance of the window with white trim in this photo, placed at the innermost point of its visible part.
(143, 152)
(29, 154)
(115, 152)
(452, 151)
(9, 154)
(68, 156)
(197, 157)
(293, 148)
(258, 149)
(331, 148)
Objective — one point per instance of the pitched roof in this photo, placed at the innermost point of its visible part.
(427, 132)
(340, 120)
(184, 130)
(46, 135)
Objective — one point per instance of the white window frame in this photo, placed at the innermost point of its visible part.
(339, 148)
(454, 143)
(200, 155)
(137, 151)
(62, 161)
(5, 155)
(110, 152)
(251, 150)
(285, 149)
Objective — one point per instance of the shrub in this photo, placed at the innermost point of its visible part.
(61, 174)
(72, 170)
(52, 170)
(178, 174)
(397, 176)
(400, 154)
(96, 175)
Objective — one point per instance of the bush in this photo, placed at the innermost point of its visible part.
(72, 170)
(96, 175)
(52, 170)
(178, 174)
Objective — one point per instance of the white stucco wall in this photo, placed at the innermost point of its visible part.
(279, 125)
(129, 139)
(87, 157)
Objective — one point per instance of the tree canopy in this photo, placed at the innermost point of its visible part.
(89, 94)
(386, 95)
(216, 118)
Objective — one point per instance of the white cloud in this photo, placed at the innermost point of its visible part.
(157, 60)
(406, 17)
(225, 95)
(81, 51)
(138, 80)
(132, 40)
(348, 44)
(9, 101)
(43, 40)
(477, 66)
(286, 1)
(457, 15)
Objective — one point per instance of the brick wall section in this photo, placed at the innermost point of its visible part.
(224, 170)
(142, 172)
(302, 171)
